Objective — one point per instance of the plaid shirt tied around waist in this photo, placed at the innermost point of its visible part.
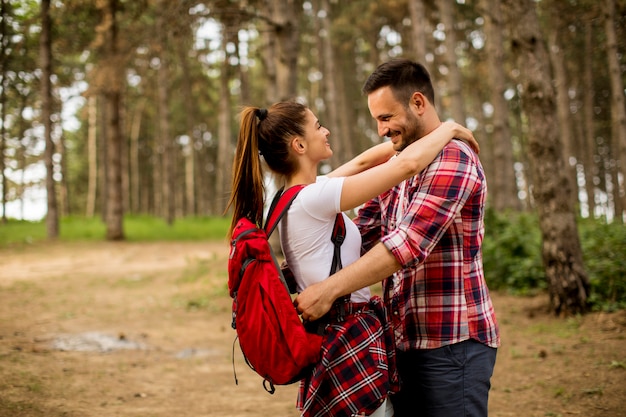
(357, 369)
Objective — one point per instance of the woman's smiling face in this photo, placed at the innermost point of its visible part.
(316, 138)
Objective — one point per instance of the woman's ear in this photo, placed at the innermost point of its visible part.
(297, 144)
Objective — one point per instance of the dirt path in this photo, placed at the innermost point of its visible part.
(128, 329)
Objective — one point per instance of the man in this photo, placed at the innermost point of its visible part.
(424, 239)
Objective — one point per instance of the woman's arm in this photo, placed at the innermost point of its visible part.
(366, 185)
(379, 154)
(369, 158)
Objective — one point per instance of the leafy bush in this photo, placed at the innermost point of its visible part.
(512, 253)
(604, 252)
(512, 257)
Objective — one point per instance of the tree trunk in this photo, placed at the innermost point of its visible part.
(618, 111)
(112, 96)
(167, 145)
(63, 186)
(45, 50)
(21, 160)
(133, 159)
(190, 120)
(102, 156)
(455, 88)
(504, 191)
(285, 16)
(589, 141)
(562, 256)
(92, 156)
(419, 31)
(566, 124)
(224, 146)
(331, 92)
(3, 107)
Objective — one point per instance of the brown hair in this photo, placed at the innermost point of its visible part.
(262, 133)
(404, 77)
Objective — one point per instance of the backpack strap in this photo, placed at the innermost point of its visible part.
(280, 205)
(338, 236)
(278, 208)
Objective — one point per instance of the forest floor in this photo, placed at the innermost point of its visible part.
(143, 329)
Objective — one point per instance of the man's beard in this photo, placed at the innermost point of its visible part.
(412, 131)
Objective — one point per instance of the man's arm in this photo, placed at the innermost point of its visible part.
(373, 267)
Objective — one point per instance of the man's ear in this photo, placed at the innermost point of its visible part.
(418, 101)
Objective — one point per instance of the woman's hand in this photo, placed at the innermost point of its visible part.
(463, 133)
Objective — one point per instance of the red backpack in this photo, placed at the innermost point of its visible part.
(271, 334)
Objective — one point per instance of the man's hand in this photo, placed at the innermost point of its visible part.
(313, 302)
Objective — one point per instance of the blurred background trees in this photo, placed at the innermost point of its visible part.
(144, 97)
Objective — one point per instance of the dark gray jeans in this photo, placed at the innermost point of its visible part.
(452, 381)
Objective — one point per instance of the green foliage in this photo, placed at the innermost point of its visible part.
(147, 228)
(136, 228)
(21, 231)
(512, 257)
(512, 253)
(604, 251)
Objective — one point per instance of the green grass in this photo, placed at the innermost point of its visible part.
(136, 229)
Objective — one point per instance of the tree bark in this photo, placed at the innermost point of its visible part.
(566, 124)
(455, 87)
(618, 111)
(285, 16)
(92, 156)
(190, 120)
(133, 159)
(224, 146)
(504, 191)
(332, 94)
(3, 106)
(589, 141)
(167, 146)
(64, 194)
(112, 96)
(561, 251)
(419, 24)
(45, 54)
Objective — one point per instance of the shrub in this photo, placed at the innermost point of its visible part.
(512, 253)
(512, 257)
(604, 252)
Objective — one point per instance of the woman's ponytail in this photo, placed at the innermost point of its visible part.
(247, 187)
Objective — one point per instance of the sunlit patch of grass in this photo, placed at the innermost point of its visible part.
(558, 349)
(198, 303)
(136, 229)
(134, 280)
(195, 271)
(22, 408)
(24, 287)
(220, 290)
(563, 330)
(599, 391)
(516, 354)
(559, 392)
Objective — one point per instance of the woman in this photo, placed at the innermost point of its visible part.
(357, 369)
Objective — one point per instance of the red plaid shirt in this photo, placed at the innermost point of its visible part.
(434, 226)
(357, 369)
